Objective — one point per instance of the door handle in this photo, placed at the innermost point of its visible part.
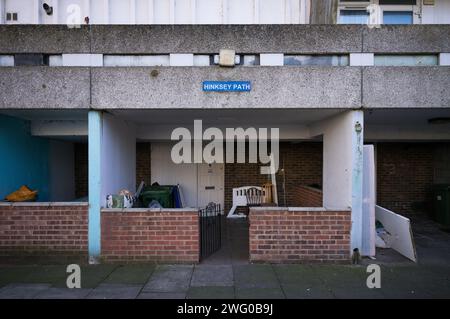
(210, 187)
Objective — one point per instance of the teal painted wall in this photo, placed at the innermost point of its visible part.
(23, 158)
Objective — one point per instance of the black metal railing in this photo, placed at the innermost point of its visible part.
(210, 220)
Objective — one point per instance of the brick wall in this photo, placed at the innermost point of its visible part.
(143, 235)
(305, 196)
(302, 163)
(38, 232)
(404, 176)
(295, 235)
(143, 163)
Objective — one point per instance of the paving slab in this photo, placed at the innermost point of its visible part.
(32, 274)
(162, 295)
(342, 276)
(259, 293)
(170, 278)
(91, 275)
(130, 274)
(357, 293)
(255, 276)
(211, 292)
(22, 291)
(314, 291)
(63, 293)
(212, 275)
(302, 275)
(115, 291)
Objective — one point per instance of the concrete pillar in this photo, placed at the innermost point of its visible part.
(94, 184)
(342, 166)
(112, 167)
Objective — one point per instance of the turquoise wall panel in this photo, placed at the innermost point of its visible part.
(23, 158)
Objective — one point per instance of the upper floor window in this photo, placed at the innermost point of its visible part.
(354, 17)
(391, 11)
(397, 17)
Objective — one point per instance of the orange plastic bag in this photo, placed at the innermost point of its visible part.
(22, 194)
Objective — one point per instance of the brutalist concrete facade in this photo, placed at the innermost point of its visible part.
(273, 87)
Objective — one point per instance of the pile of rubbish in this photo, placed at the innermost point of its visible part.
(153, 196)
(23, 194)
(382, 239)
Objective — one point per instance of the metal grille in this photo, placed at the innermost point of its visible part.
(210, 220)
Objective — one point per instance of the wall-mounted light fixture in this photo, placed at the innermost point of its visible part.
(48, 9)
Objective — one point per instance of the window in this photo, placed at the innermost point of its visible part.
(405, 60)
(398, 2)
(11, 16)
(353, 17)
(397, 17)
(324, 60)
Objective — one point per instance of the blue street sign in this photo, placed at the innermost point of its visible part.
(227, 86)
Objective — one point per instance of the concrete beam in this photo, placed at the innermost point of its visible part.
(405, 132)
(44, 88)
(209, 39)
(59, 128)
(406, 87)
(407, 39)
(44, 39)
(163, 132)
(181, 87)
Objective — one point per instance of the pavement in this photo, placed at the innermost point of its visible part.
(228, 275)
(260, 281)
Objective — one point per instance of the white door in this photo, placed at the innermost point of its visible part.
(210, 184)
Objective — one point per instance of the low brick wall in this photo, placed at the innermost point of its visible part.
(306, 196)
(297, 235)
(150, 235)
(37, 232)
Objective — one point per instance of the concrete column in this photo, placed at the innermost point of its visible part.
(95, 184)
(112, 167)
(342, 166)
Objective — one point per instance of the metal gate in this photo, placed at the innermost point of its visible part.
(210, 220)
